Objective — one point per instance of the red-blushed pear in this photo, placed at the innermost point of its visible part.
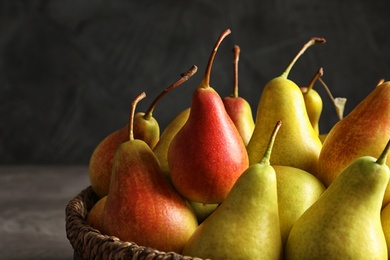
(207, 155)
(297, 145)
(237, 107)
(141, 205)
(100, 162)
(146, 126)
(313, 102)
(364, 131)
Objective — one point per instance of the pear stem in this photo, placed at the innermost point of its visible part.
(327, 89)
(132, 112)
(319, 74)
(311, 42)
(206, 80)
(236, 51)
(383, 157)
(267, 155)
(184, 77)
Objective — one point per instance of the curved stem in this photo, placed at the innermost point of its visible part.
(184, 77)
(132, 113)
(318, 74)
(236, 51)
(311, 42)
(206, 80)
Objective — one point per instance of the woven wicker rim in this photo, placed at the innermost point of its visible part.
(89, 243)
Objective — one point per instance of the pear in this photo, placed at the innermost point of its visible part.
(345, 223)
(297, 191)
(100, 162)
(237, 107)
(162, 146)
(146, 126)
(362, 132)
(385, 220)
(207, 155)
(298, 145)
(94, 217)
(313, 102)
(202, 210)
(246, 224)
(141, 205)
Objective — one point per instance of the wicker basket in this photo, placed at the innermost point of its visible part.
(89, 243)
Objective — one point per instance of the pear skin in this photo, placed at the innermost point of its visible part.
(298, 145)
(297, 191)
(246, 223)
(362, 132)
(94, 217)
(313, 102)
(207, 155)
(141, 205)
(345, 223)
(161, 148)
(100, 162)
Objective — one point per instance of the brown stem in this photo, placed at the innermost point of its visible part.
(132, 112)
(236, 51)
(206, 80)
(311, 42)
(319, 74)
(383, 157)
(184, 77)
(267, 155)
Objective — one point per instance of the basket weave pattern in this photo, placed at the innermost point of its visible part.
(89, 243)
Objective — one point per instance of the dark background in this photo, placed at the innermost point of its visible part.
(70, 69)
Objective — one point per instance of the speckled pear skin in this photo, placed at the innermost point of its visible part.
(297, 145)
(344, 223)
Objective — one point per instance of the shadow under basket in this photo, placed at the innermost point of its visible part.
(89, 243)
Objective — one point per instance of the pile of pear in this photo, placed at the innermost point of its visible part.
(219, 183)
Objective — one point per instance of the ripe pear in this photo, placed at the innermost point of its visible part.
(385, 220)
(246, 224)
(142, 206)
(362, 132)
(298, 145)
(100, 162)
(94, 217)
(313, 102)
(162, 146)
(237, 107)
(297, 191)
(146, 126)
(207, 155)
(202, 210)
(345, 223)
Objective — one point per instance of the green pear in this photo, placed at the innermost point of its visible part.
(362, 132)
(141, 205)
(146, 126)
(246, 224)
(237, 107)
(207, 155)
(345, 222)
(298, 145)
(313, 102)
(162, 146)
(297, 191)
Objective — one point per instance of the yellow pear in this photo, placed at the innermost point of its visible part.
(298, 145)
(94, 216)
(297, 191)
(385, 219)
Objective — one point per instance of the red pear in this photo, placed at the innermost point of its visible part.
(141, 205)
(207, 155)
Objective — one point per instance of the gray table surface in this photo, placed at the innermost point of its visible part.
(32, 210)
